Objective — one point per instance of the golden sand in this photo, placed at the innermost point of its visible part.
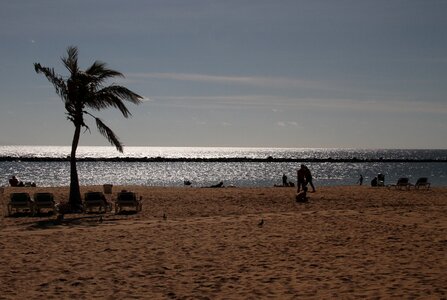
(347, 242)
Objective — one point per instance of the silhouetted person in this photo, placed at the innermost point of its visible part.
(360, 181)
(284, 180)
(13, 181)
(300, 178)
(302, 196)
(308, 176)
(374, 181)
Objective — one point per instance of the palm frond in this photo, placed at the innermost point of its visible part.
(57, 80)
(113, 96)
(106, 101)
(71, 60)
(123, 93)
(109, 134)
(100, 72)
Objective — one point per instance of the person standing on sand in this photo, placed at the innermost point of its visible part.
(308, 176)
(13, 181)
(360, 181)
(284, 180)
(301, 178)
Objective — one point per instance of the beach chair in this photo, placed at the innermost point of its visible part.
(402, 182)
(422, 182)
(95, 200)
(44, 201)
(20, 202)
(128, 199)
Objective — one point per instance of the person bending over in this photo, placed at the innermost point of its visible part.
(301, 197)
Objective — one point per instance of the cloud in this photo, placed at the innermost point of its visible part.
(378, 105)
(287, 124)
(281, 103)
(199, 122)
(366, 98)
(240, 80)
(146, 99)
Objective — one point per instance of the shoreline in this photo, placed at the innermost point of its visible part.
(222, 159)
(348, 241)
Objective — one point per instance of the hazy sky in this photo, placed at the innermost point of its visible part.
(261, 73)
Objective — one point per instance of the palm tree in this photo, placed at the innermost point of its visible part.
(84, 90)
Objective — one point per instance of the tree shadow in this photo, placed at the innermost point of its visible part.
(63, 221)
(21, 214)
(126, 213)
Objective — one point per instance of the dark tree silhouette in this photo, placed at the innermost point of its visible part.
(82, 90)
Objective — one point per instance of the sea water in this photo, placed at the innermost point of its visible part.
(243, 173)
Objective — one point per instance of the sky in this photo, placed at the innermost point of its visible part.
(234, 73)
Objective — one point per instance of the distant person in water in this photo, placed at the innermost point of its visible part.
(284, 180)
(374, 181)
(360, 181)
(308, 176)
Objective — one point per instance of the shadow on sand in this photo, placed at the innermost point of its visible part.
(79, 220)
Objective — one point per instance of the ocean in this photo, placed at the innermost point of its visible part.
(204, 166)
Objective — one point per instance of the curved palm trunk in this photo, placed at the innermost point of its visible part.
(75, 193)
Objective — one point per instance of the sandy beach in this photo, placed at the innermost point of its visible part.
(347, 242)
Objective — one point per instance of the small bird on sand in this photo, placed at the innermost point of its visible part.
(261, 223)
(165, 217)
